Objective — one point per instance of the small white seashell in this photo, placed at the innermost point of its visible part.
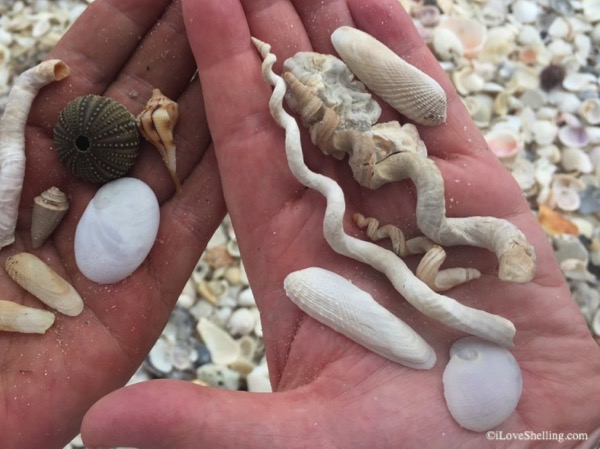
(470, 33)
(467, 80)
(575, 159)
(480, 108)
(565, 192)
(35, 276)
(334, 301)
(404, 87)
(590, 110)
(591, 10)
(241, 322)
(482, 384)
(223, 348)
(117, 230)
(246, 298)
(573, 136)
(525, 11)
(447, 45)
(578, 81)
(18, 318)
(504, 143)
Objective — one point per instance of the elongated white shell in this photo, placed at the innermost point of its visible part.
(117, 230)
(482, 383)
(18, 318)
(336, 302)
(223, 349)
(407, 89)
(35, 276)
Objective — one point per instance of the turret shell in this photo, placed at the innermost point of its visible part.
(407, 89)
(97, 138)
(18, 318)
(49, 208)
(35, 276)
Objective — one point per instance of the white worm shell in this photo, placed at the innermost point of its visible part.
(334, 301)
(35, 276)
(482, 384)
(18, 318)
(12, 139)
(407, 89)
(49, 208)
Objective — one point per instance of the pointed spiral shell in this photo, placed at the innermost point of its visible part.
(97, 138)
(49, 208)
(407, 89)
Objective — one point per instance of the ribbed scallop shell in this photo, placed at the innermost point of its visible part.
(410, 91)
(334, 301)
(97, 138)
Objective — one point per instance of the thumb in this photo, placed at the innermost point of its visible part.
(174, 414)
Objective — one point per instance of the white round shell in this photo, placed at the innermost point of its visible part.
(117, 230)
(482, 383)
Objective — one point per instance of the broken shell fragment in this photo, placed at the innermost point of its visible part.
(35, 276)
(49, 208)
(156, 123)
(18, 318)
(407, 89)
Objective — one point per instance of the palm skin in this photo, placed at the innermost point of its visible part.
(330, 392)
(50, 380)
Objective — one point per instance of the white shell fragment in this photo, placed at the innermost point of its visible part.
(482, 384)
(407, 89)
(18, 318)
(117, 230)
(223, 349)
(35, 276)
(334, 301)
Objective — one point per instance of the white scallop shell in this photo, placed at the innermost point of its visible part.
(482, 383)
(18, 318)
(117, 230)
(404, 87)
(35, 276)
(334, 301)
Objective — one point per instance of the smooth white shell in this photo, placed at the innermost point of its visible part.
(407, 89)
(334, 301)
(117, 230)
(482, 383)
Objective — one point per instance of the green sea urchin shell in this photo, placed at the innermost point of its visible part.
(97, 138)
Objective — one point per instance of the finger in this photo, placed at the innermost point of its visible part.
(174, 414)
(249, 144)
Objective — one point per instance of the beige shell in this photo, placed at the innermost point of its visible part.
(407, 89)
(156, 123)
(35, 276)
(18, 318)
(49, 208)
(334, 301)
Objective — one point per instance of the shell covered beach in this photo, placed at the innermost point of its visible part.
(528, 72)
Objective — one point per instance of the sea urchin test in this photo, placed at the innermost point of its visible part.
(117, 230)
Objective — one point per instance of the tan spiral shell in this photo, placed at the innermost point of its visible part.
(49, 208)
(407, 89)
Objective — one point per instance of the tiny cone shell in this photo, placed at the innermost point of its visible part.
(18, 318)
(49, 208)
(31, 273)
(407, 89)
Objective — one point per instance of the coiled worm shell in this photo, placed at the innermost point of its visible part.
(482, 383)
(18, 318)
(407, 89)
(35, 276)
(334, 301)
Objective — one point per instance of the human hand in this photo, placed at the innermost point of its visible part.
(331, 392)
(122, 50)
